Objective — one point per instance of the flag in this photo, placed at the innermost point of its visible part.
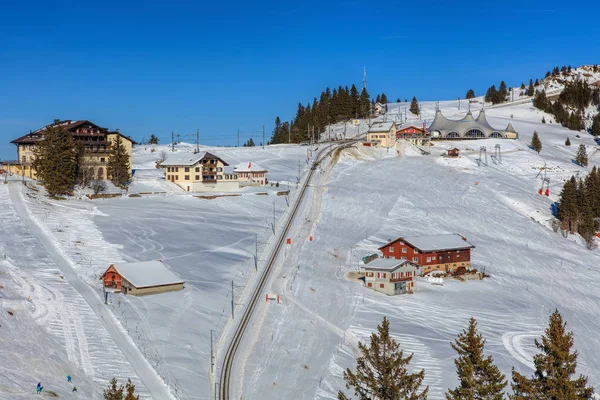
(249, 164)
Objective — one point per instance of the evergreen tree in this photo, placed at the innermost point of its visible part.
(541, 101)
(522, 86)
(502, 93)
(130, 389)
(537, 83)
(113, 392)
(414, 106)
(536, 143)
(355, 99)
(530, 89)
(378, 99)
(547, 74)
(153, 139)
(543, 119)
(581, 158)
(398, 100)
(567, 142)
(491, 95)
(365, 103)
(470, 94)
(554, 367)
(56, 160)
(596, 125)
(382, 373)
(384, 99)
(118, 167)
(479, 378)
(568, 213)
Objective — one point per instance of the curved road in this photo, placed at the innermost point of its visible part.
(148, 376)
(239, 332)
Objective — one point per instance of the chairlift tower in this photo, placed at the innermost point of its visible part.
(482, 152)
(497, 157)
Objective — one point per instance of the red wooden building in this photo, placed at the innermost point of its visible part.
(432, 253)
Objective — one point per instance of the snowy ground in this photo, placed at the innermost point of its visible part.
(304, 344)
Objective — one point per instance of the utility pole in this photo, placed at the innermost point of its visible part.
(290, 133)
(298, 180)
(198, 141)
(172, 141)
(273, 217)
(238, 137)
(232, 311)
(459, 103)
(308, 132)
(178, 138)
(256, 251)
(212, 358)
(263, 142)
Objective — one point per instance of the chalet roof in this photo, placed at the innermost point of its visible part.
(381, 126)
(147, 274)
(69, 125)
(438, 242)
(249, 167)
(229, 170)
(388, 264)
(408, 126)
(189, 159)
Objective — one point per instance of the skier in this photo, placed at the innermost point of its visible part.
(39, 388)
(74, 388)
(69, 378)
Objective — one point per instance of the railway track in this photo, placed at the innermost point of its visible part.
(224, 380)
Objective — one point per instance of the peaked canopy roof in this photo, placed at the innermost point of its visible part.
(467, 127)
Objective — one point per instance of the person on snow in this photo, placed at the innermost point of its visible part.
(74, 388)
(39, 388)
(69, 378)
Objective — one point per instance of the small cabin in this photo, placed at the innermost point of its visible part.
(453, 153)
(141, 278)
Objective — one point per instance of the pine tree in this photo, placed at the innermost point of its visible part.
(118, 167)
(384, 99)
(56, 160)
(537, 83)
(536, 143)
(113, 392)
(522, 86)
(398, 100)
(554, 367)
(502, 93)
(355, 99)
(491, 95)
(543, 119)
(378, 99)
(470, 94)
(130, 389)
(381, 371)
(479, 378)
(153, 139)
(414, 106)
(582, 158)
(365, 103)
(568, 213)
(530, 89)
(596, 125)
(567, 142)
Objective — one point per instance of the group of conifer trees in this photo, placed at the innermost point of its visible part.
(61, 164)
(579, 205)
(341, 104)
(497, 96)
(576, 96)
(382, 370)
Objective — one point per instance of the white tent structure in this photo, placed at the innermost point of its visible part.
(468, 128)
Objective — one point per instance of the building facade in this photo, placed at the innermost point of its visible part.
(391, 276)
(141, 278)
(413, 134)
(382, 134)
(251, 174)
(95, 140)
(468, 128)
(200, 172)
(433, 253)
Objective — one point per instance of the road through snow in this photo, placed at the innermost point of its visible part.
(154, 384)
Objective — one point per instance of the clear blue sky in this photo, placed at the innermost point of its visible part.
(161, 66)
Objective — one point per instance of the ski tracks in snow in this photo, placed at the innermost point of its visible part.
(513, 342)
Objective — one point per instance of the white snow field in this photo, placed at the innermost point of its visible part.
(302, 345)
(57, 250)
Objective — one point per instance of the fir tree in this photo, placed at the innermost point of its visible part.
(491, 95)
(567, 142)
(153, 139)
(398, 100)
(581, 158)
(118, 167)
(365, 103)
(56, 160)
(530, 89)
(130, 389)
(479, 378)
(522, 86)
(355, 99)
(502, 93)
(378, 99)
(543, 119)
(381, 371)
(470, 94)
(536, 144)
(384, 99)
(568, 213)
(554, 367)
(113, 392)
(596, 125)
(537, 83)
(414, 106)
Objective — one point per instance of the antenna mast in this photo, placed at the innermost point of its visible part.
(365, 78)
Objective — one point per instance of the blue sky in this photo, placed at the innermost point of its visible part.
(158, 66)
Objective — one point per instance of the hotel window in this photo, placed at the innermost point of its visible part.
(415, 259)
(458, 256)
(370, 284)
(381, 285)
(416, 251)
(219, 177)
(197, 177)
(24, 158)
(197, 169)
(187, 178)
(176, 169)
(403, 258)
(404, 249)
(391, 249)
(187, 169)
(379, 275)
(384, 275)
(428, 259)
(168, 177)
(433, 258)
(219, 169)
(102, 159)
